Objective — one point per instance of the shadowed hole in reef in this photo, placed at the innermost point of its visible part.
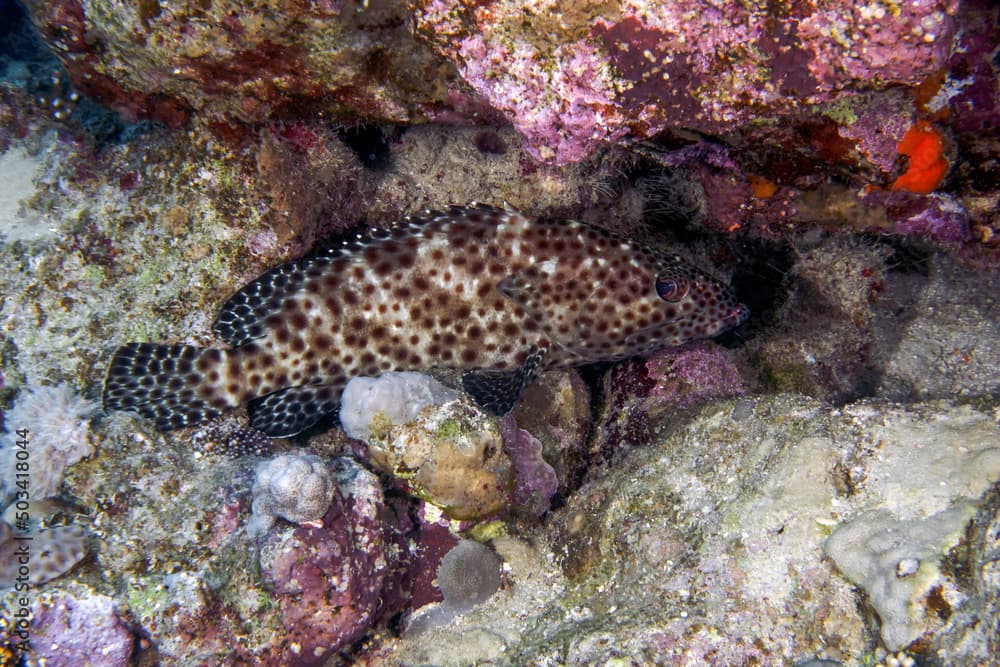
(760, 281)
(18, 40)
(370, 143)
(904, 256)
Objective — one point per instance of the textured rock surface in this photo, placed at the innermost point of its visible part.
(864, 318)
(80, 632)
(708, 546)
(574, 77)
(568, 76)
(640, 392)
(247, 61)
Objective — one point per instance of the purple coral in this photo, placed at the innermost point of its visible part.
(562, 103)
(692, 374)
(710, 66)
(873, 42)
(535, 480)
(881, 120)
(937, 217)
(80, 632)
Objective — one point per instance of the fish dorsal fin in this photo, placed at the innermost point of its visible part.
(498, 391)
(241, 318)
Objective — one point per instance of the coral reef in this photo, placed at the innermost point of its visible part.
(331, 582)
(451, 456)
(691, 508)
(294, 487)
(555, 411)
(865, 318)
(716, 533)
(241, 61)
(469, 575)
(707, 66)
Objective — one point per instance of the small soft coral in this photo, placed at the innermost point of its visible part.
(57, 427)
(928, 166)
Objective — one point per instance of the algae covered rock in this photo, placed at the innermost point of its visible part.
(452, 456)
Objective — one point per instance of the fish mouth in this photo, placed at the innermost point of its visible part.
(737, 316)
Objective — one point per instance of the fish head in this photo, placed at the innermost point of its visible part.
(614, 299)
(694, 304)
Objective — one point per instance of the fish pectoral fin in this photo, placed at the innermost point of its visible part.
(498, 391)
(284, 413)
(527, 288)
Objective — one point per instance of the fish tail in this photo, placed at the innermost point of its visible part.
(175, 385)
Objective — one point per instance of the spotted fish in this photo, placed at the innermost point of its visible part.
(499, 294)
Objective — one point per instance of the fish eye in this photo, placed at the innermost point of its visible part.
(672, 289)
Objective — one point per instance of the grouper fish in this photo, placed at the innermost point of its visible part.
(500, 295)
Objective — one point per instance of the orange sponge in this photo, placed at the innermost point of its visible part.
(922, 144)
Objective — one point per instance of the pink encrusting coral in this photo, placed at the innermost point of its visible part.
(704, 65)
(876, 124)
(640, 391)
(535, 480)
(882, 42)
(693, 374)
(561, 102)
(80, 632)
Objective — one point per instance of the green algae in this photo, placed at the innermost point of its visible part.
(449, 429)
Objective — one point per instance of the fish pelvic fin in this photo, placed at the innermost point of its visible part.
(174, 385)
(284, 413)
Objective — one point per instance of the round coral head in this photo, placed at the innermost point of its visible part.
(922, 144)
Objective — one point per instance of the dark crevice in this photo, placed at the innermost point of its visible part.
(370, 143)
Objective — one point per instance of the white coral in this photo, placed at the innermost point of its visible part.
(294, 487)
(57, 437)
